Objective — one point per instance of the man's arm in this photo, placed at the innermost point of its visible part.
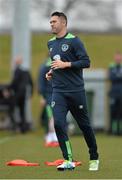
(16, 79)
(31, 82)
(59, 64)
(82, 59)
(49, 75)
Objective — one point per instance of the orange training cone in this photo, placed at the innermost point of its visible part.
(60, 161)
(20, 162)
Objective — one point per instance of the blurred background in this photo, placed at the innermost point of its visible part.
(25, 30)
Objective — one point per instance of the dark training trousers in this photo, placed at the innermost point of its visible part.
(62, 102)
(116, 115)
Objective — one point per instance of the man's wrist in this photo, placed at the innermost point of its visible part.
(67, 64)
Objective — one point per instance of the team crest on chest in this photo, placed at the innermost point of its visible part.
(64, 47)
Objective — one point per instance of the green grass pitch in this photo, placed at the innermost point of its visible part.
(30, 147)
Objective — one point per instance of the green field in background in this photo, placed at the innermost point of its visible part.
(101, 49)
(30, 147)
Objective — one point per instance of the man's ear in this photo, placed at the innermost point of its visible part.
(63, 22)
